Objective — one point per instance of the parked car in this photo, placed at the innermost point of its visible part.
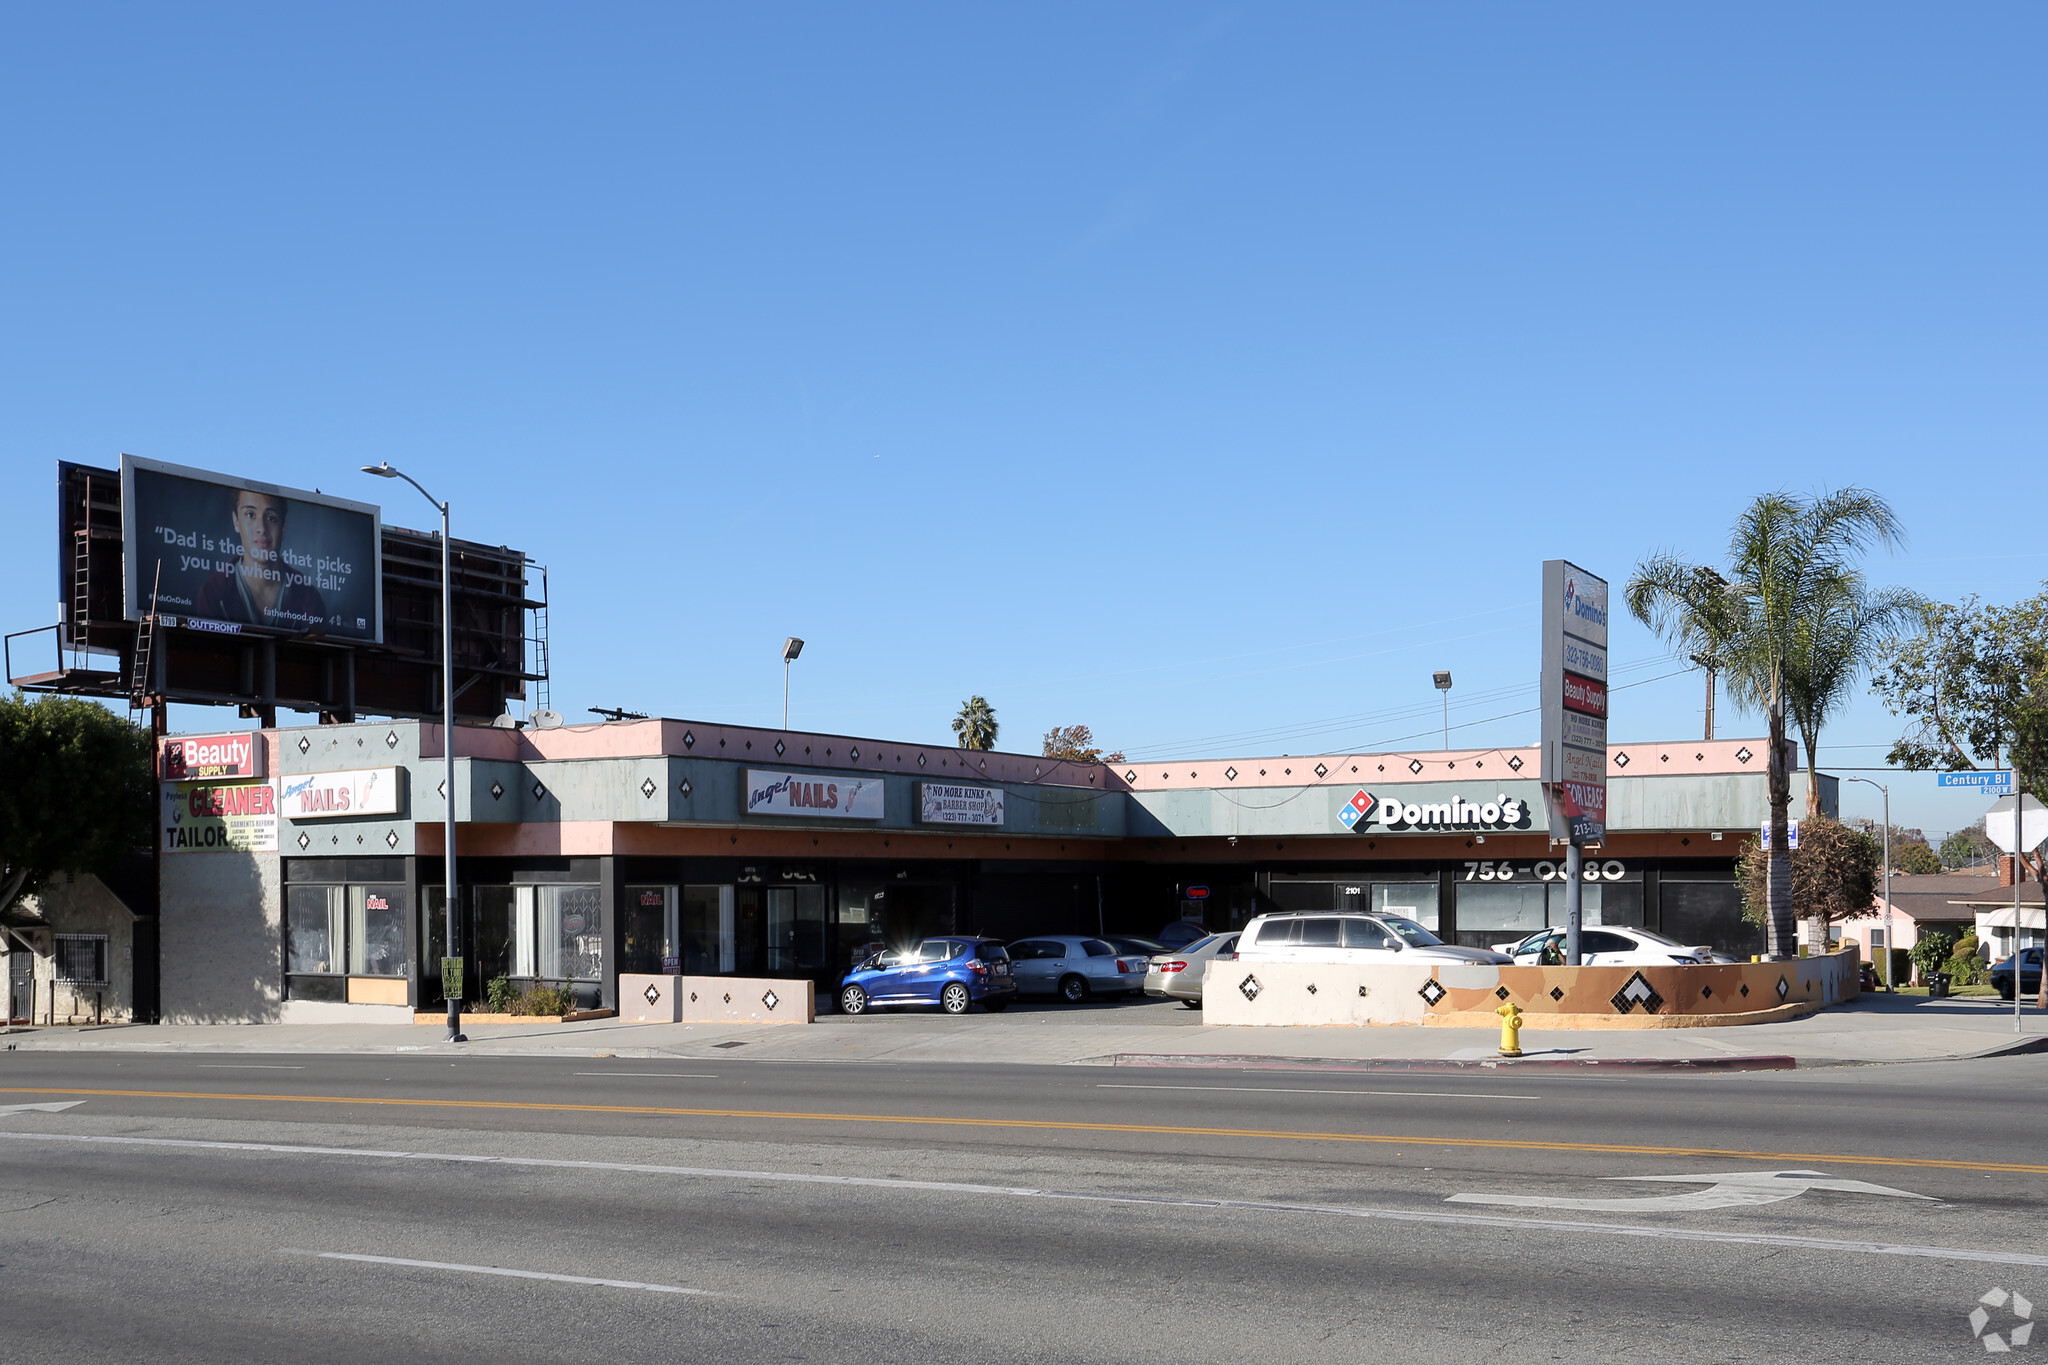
(1349, 936)
(1181, 933)
(1610, 947)
(1131, 943)
(952, 973)
(2030, 973)
(1074, 967)
(1179, 975)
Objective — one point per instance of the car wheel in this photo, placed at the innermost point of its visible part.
(853, 1000)
(1192, 1004)
(995, 1006)
(954, 999)
(1073, 989)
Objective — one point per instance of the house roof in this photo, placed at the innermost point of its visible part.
(1953, 896)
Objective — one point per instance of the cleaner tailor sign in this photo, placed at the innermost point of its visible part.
(1365, 812)
(814, 795)
(321, 796)
(943, 803)
(220, 817)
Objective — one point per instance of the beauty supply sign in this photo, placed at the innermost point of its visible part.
(811, 796)
(323, 796)
(219, 817)
(943, 803)
(196, 757)
(1575, 702)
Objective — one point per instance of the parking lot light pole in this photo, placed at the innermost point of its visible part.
(453, 952)
(1886, 792)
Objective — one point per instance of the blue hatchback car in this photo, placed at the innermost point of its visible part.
(952, 973)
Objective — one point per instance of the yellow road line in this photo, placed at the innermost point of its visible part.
(1064, 1125)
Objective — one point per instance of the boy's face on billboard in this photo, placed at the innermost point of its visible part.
(259, 521)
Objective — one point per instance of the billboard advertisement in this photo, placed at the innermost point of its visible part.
(245, 553)
(814, 795)
(219, 817)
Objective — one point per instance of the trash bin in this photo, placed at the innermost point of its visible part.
(1937, 985)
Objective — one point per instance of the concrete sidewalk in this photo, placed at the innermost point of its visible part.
(1873, 1028)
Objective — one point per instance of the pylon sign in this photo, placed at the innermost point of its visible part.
(1574, 753)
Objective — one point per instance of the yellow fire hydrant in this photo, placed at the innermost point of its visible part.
(1510, 1030)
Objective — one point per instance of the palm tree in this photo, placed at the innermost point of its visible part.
(1783, 624)
(976, 724)
(1846, 629)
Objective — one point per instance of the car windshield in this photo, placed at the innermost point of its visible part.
(1412, 932)
(1199, 944)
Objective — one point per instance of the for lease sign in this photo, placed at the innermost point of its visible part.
(219, 817)
(196, 756)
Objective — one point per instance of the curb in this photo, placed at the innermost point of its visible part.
(2025, 1047)
(1450, 1064)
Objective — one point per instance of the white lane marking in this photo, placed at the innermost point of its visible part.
(1476, 1220)
(683, 1075)
(1730, 1189)
(494, 1270)
(49, 1107)
(247, 1066)
(1295, 1090)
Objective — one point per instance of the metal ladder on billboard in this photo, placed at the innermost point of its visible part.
(81, 583)
(542, 701)
(145, 645)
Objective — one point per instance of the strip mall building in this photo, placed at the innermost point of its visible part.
(301, 878)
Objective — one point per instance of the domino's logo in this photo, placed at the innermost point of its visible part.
(1357, 808)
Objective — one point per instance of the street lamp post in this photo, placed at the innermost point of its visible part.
(451, 962)
(1886, 792)
(1443, 685)
(791, 647)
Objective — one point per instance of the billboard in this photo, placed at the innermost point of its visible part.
(814, 794)
(1574, 752)
(242, 552)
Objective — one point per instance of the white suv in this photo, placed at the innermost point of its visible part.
(1350, 936)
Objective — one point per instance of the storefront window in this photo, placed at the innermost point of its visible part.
(1514, 909)
(796, 929)
(707, 916)
(313, 931)
(376, 930)
(648, 931)
(569, 932)
(1414, 900)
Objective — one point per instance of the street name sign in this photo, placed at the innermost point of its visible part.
(1987, 780)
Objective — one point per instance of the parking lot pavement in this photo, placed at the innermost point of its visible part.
(1874, 1028)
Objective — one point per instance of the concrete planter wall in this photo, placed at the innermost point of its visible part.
(716, 1000)
(1297, 993)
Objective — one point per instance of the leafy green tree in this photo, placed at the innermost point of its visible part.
(976, 724)
(1930, 952)
(1076, 744)
(76, 791)
(1834, 876)
(1966, 846)
(1915, 859)
(1790, 623)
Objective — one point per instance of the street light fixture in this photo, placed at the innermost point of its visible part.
(453, 953)
(791, 647)
(1887, 793)
(1443, 685)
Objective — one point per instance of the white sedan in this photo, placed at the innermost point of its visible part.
(1178, 975)
(1610, 947)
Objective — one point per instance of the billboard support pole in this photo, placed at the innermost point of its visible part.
(1574, 901)
(451, 962)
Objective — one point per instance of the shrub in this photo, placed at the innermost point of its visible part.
(498, 995)
(1932, 952)
(504, 998)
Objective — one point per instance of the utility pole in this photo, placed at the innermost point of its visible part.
(1713, 666)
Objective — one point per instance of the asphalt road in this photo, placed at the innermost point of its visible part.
(366, 1208)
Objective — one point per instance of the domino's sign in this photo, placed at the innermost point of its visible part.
(1365, 811)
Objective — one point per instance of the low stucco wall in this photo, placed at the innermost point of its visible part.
(1297, 993)
(716, 1000)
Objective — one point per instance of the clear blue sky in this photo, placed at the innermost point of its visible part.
(1186, 372)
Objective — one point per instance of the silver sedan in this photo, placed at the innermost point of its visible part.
(1179, 975)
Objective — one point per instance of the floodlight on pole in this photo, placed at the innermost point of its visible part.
(452, 989)
(1443, 685)
(791, 647)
